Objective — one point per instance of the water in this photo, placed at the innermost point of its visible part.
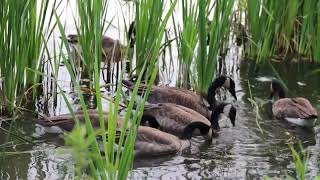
(244, 152)
(241, 152)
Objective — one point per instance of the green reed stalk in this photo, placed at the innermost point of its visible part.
(300, 161)
(316, 42)
(91, 14)
(283, 29)
(117, 160)
(187, 40)
(23, 25)
(261, 28)
(218, 30)
(150, 26)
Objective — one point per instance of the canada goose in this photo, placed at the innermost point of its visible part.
(113, 51)
(295, 110)
(149, 141)
(182, 121)
(187, 98)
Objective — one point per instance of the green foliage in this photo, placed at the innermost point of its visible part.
(23, 33)
(187, 40)
(283, 29)
(301, 162)
(119, 155)
(218, 31)
(149, 31)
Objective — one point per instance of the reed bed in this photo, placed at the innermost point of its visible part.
(273, 30)
(218, 31)
(24, 31)
(150, 24)
(187, 41)
(205, 30)
(283, 30)
(118, 158)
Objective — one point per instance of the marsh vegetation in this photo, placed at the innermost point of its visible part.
(63, 56)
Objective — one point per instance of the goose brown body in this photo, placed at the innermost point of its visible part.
(153, 142)
(174, 118)
(149, 142)
(113, 51)
(294, 108)
(187, 98)
(183, 97)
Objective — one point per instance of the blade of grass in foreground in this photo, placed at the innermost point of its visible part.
(301, 161)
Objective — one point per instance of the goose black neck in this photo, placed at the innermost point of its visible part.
(278, 88)
(215, 115)
(189, 129)
(214, 119)
(281, 94)
(132, 34)
(216, 84)
(152, 121)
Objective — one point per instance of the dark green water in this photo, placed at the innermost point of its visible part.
(241, 152)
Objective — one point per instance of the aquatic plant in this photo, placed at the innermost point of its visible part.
(187, 41)
(283, 29)
(219, 27)
(119, 155)
(25, 28)
(300, 161)
(150, 23)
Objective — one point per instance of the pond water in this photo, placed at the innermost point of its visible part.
(242, 152)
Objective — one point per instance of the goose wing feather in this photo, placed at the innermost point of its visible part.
(174, 118)
(181, 97)
(293, 108)
(67, 122)
(152, 141)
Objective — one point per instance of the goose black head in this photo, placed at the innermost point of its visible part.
(276, 87)
(72, 38)
(152, 121)
(189, 129)
(221, 81)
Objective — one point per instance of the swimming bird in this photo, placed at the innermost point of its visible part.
(184, 122)
(187, 98)
(149, 141)
(295, 110)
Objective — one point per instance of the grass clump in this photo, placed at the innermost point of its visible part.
(218, 30)
(117, 142)
(24, 31)
(283, 30)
